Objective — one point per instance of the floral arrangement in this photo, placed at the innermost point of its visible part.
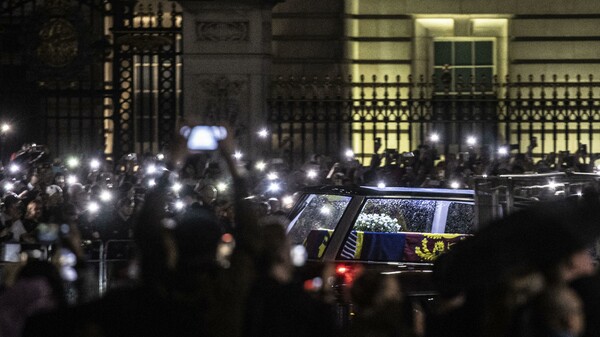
(373, 222)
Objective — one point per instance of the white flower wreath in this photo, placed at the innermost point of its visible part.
(377, 223)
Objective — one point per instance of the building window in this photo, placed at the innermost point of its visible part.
(457, 63)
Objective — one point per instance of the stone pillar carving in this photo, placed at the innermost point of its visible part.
(227, 64)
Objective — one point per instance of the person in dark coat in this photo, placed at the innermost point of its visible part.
(278, 304)
(551, 240)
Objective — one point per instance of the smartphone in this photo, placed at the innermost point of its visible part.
(203, 137)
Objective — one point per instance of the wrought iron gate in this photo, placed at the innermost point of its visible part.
(89, 76)
(147, 65)
(325, 116)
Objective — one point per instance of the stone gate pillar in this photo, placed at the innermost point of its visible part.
(227, 65)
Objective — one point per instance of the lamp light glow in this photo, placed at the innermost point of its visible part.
(261, 165)
(73, 162)
(95, 164)
(263, 133)
(105, 196)
(93, 207)
(222, 186)
(71, 180)
(274, 187)
(176, 187)
(471, 140)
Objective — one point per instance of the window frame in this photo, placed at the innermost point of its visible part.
(472, 67)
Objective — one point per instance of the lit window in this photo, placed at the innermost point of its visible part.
(458, 62)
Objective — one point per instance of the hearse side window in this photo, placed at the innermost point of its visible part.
(316, 213)
(396, 215)
(406, 230)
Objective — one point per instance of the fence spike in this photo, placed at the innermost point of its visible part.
(148, 16)
(543, 86)
(174, 15)
(159, 15)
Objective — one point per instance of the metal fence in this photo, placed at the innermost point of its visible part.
(90, 76)
(327, 115)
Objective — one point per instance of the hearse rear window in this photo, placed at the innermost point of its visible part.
(317, 214)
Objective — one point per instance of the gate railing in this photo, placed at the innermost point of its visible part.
(326, 115)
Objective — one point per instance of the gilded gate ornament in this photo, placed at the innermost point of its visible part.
(58, 45)
(59, 42)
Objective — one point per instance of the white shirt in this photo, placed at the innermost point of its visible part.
(17, 229)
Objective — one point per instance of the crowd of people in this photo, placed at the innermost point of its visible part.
(427, 167)
(209, 254)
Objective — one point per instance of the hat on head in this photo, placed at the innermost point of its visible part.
(52, 190)
(10, 199)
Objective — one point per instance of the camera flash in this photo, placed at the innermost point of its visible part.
(176, 187)
(222, 186)
(73, 162)
(105, 196)
(287, 201)
(261, 165)
(14, 168)
(71, 180)
(263, 133)
(151, 169)
(274, 187)
(471, 140)
(93, 207)
(94, 164)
